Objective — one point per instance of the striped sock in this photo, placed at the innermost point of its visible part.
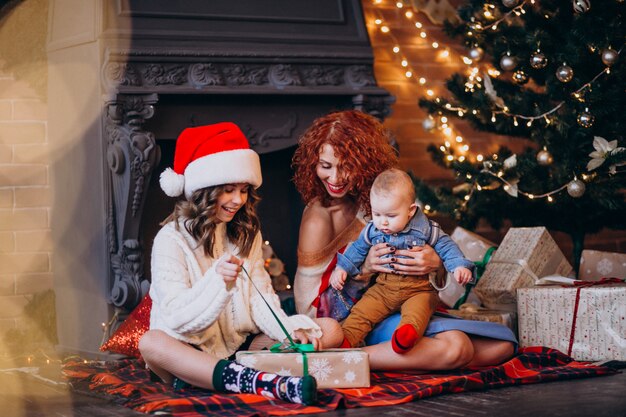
(234, 377)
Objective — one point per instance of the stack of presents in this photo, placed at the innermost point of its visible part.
(527, 284)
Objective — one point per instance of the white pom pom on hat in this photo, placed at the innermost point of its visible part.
(172, 183)
(211, 155)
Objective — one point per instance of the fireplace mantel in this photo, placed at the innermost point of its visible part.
(270, 66)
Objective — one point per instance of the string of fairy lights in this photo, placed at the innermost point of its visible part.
(454, 147)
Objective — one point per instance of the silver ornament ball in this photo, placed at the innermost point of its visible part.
(564, 73)
(585, 119)
(581, 6)
(576, 188)
(609, 56)
(544, 157)
(476, 53)
(428, 124)
(510, 3)
(538, 60)
(508, 62)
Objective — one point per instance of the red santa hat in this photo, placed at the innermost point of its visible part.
(211, 155)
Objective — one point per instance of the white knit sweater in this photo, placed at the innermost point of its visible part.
(192, 303)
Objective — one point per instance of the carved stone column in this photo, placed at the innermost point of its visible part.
(132, 154)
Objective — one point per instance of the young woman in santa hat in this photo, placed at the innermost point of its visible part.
(204, 307)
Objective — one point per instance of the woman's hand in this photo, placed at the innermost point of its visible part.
(375, 262)
(229, 267)
(419, 260)
(301, 337)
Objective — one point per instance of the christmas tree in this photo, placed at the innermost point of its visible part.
(550, 74)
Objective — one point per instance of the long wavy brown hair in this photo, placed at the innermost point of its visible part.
(360, 142)
(199, 215)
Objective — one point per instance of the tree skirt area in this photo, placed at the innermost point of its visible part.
(127, 382)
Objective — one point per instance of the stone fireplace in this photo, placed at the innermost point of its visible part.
(269, 66)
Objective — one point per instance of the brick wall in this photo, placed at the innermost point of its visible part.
(25, 243)
(406, 119)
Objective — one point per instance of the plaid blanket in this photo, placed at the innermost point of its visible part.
(127, 383)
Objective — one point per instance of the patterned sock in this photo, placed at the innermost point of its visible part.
(233, 377)
(404, 338)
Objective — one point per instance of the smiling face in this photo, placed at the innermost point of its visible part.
(231, 200)
(329, 172)
(391, 210)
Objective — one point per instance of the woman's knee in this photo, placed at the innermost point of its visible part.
(151, 345)
(459, 351)
(332, 335)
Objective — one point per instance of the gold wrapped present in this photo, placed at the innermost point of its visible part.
(474, 312)
(595, 264)
(525, 255)
(332, 368)
(586, 323)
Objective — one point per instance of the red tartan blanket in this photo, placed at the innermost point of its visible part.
(127, 383)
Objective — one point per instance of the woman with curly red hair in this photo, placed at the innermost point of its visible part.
(335, 164)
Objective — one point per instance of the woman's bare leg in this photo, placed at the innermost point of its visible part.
(447, 350)
(167, 357)
(489, 352)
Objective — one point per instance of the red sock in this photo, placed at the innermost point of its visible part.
(345, 344)
(403, 339)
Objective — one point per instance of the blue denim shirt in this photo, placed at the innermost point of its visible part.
(416, 233)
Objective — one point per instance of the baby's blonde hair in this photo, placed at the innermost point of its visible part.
(396, 180)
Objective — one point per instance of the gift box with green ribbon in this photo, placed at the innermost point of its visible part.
(525, 255)
(332, 368)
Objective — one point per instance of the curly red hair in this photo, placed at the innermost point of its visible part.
(360, 142)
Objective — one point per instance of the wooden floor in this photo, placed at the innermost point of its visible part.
(23, 394)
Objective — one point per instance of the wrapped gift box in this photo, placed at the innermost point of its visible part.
(546, 316)
(525, 255)
(595, 264)
(508, 318)
(332, 368)
(474, 247)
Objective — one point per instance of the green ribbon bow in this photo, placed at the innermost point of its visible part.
(480, 270)
(288, 345)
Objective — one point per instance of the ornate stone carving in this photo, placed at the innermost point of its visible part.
(132, 154)
(116, 73)
(201, 75)
(359, 76)
(157, 74)
(323, 75)
(240, 74)
(283, 75)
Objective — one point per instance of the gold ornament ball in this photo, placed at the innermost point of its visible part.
(508, 62)
(538, 60)
(520, 77)
(576, 188)
(585, 119)
(564, 73)
(544, 157)
(609, 56)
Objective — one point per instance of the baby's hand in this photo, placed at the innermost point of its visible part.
(338, 278)
(229, 267)
(462, 275)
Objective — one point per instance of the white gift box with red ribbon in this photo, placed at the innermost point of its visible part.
(586, 322)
